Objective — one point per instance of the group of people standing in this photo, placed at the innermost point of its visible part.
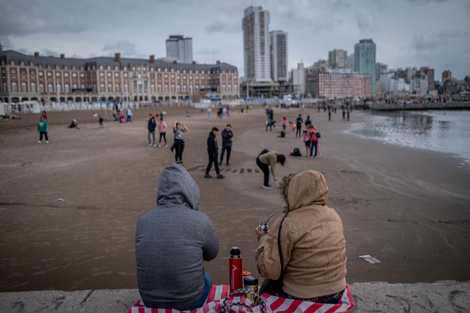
(152, 126)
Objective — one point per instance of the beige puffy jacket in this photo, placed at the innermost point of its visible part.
(312, 242)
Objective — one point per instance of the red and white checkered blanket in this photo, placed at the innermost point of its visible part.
(272, 304)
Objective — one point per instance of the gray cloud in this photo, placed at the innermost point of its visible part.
(453, 34)
(424, 2)
(367, 23)
(31, 17)
(207, 51)
(223, 26)
(423, 42)
(125, 47)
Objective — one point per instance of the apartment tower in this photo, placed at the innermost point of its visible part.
(364, 59)
(180, 48)
(278, 47)
(256, 50)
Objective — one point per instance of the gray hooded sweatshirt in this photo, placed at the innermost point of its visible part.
(171, 243)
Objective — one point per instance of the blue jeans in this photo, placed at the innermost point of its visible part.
(205, 293)
(313, 144)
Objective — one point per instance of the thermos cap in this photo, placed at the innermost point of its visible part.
(235, 251)
(250, 281)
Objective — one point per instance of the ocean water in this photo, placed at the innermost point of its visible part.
(443, 131)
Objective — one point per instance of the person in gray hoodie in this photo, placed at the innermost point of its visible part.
(171, 243)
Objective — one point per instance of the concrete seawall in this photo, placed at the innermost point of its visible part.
(457, 105)
(441, 296)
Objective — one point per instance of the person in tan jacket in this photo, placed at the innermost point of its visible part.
(312, 243)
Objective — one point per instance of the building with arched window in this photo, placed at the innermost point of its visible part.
(102, 77)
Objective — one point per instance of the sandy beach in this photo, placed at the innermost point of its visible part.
(409, 208)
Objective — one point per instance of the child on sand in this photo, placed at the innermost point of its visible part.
(42, 129)
(100, 121)
(284, 123)
(74, 124)
(292, 126)
(306, 140)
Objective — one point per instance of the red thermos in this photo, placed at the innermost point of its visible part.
(235, 264)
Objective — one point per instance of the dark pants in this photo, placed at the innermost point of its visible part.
(265, 169)
(229, 151)
(179, 147)
(298, 130)
(45, 136)
(313, 144)
(164, 137)
(213, 159)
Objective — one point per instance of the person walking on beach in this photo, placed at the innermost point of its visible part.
(178, 145)
(284, 123)
(266, 161)
(162, 131)
(172, 241)
(151, 125)
(42, 129)
(209, 111)
(213, 152)
(344, 114)
(298, 123)
(329, 114)
(227, 135)
(308, 121)
(348, 113)
(129, 115)
(100, 121)
(312, 131)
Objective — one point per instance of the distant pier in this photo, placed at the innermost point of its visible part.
(449, 105)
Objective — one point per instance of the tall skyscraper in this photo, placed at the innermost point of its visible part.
(255, 25)
(278, 47)
(338, 58)
(364, 59)
(180, 48)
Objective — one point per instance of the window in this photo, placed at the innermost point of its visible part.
(41, 88)
(66, 74)
(172, 88)
(191, 89)
(5, 88)
(223, 88)
(166, 88)
(14, 87)
(110, 88)
(101, 74)
(101, 87)
(67, 88)
(50, 89)
(57, 74)
(13, 70)
(126, 88)
(184, 88)
(74, 86)
(12, 62)
(135, 86)
(82, 74)
(33, 88)
(32, 72)
(152, 88)
(117, 88)
(159, 88)
(74, 74)
(41, 73)
(49, 74)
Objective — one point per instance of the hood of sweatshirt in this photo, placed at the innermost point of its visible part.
(305, 189)
(177, 188)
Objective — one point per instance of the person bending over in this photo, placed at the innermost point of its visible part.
(171, 243)
(267, 160)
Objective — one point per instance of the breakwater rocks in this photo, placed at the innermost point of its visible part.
(450, 105)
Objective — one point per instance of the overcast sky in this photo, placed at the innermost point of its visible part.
(433, 33)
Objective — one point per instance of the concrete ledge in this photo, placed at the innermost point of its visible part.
(442, 297)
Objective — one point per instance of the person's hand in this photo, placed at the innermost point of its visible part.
(259, 233)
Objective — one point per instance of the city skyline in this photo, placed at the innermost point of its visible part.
(408, 33)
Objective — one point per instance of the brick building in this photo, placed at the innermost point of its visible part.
(337, 85)
(25, 77)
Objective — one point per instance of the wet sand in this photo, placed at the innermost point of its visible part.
(409, 208)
